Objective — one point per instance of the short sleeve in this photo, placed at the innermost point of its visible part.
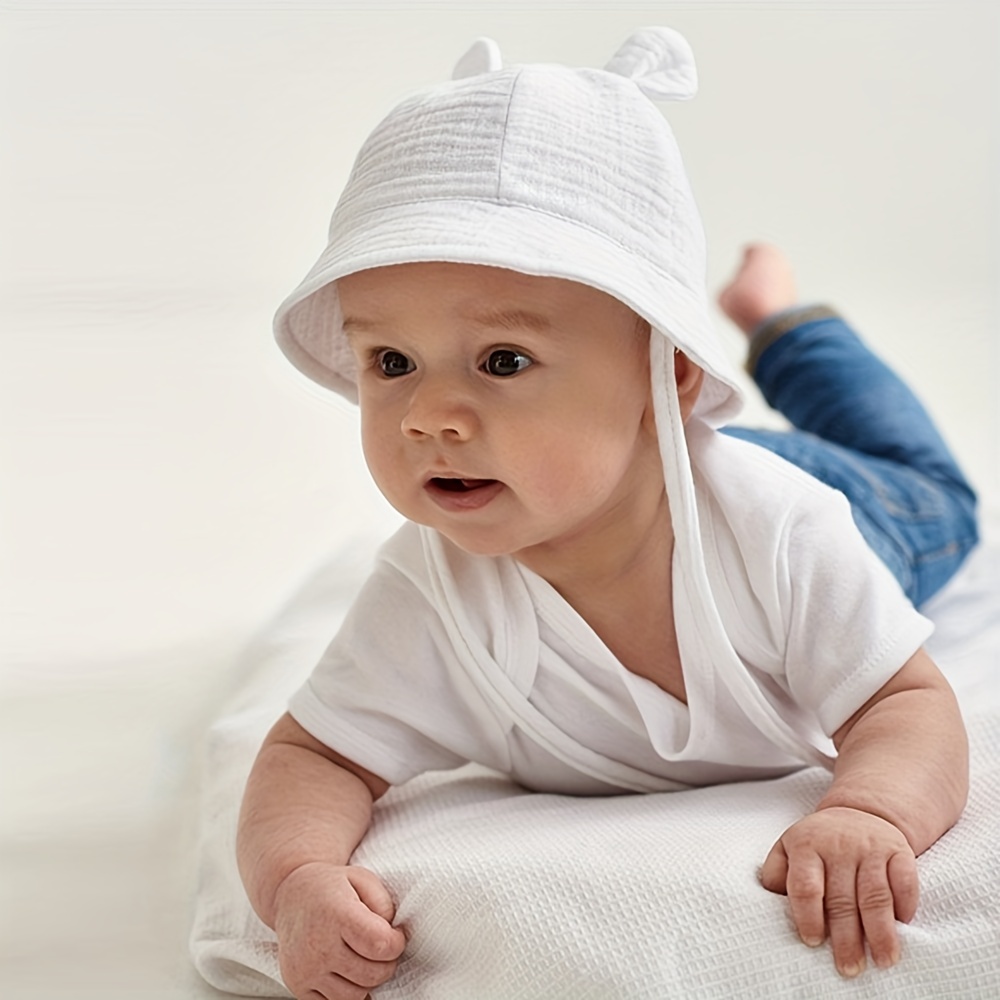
(849, 626)
(812, 612)
(389, 693)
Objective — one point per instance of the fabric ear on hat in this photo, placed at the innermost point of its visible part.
(539, 168)
(483, 57)
(660, 62)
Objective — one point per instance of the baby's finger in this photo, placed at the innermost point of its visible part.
(370, 937)
(806, 885)
(843, 920)
(902, 870)
(877, 909)
(774, 871)
(372, 892)
(369, 931)
(354, 981)
(336, 987)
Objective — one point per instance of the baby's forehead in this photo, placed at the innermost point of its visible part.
(484, 294)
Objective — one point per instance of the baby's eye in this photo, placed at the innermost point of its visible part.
(393, 364)
(506, 362)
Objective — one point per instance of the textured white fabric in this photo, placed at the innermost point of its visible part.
(660, 62)
(448, 657)
(508, 895)
(483, 57)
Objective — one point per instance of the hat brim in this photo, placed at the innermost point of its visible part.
(307, 324)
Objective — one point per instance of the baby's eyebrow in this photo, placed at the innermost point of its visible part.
(354, 324)
(512, 319)
(497, 319)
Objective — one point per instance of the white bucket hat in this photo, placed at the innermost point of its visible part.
(568, 173)
(543, 169)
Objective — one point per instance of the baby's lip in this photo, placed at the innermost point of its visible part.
(456, 481)
(458, 494)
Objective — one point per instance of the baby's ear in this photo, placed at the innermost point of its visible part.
(660, 62)
(689, 378)
(482, 57)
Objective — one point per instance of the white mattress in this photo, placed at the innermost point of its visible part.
(509, 895)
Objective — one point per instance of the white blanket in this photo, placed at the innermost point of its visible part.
(508, 895)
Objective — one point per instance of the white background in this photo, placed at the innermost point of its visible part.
(168, 171)
(167, 179)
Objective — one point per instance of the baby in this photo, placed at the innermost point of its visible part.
(597, 589)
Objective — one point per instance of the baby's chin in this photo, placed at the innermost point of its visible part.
(473, 543)
(476, 546)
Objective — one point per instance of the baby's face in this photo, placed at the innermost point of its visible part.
(512, 413)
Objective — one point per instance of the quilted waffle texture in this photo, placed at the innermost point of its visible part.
(508, 895)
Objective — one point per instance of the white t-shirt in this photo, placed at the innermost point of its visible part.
(447, 657)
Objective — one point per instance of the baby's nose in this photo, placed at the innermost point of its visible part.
(439, 409)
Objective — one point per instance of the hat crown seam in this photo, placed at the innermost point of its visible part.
(503, 135)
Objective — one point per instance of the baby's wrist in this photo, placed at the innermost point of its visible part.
(292, 882)
(836, 803)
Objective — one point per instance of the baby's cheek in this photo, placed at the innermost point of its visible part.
(387, 468)
(575, 477)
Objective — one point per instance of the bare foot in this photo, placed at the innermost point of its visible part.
(763, 284)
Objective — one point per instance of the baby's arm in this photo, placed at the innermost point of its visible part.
(900, 782)
(304, 812)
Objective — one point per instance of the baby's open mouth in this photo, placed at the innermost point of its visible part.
(461, 485)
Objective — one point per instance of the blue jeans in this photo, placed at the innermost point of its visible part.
(859, 429)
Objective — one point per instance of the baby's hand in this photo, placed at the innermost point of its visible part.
(335, 937)
(850, 873)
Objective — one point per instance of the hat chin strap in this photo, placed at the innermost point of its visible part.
(690, 560)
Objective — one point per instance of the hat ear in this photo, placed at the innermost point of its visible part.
(660, 62)
(482, 57)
